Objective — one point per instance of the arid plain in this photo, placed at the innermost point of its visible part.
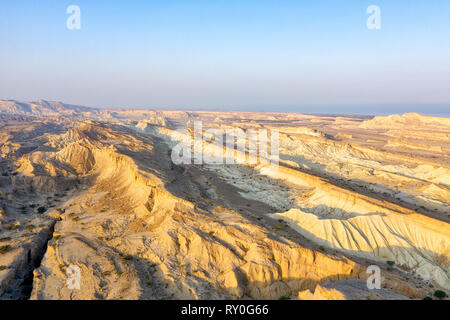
(98, 189)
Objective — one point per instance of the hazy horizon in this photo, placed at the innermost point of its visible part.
(442, 110)
(257, 55)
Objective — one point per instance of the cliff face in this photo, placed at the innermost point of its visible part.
(42, 108)
(132, 238)
(104, 198)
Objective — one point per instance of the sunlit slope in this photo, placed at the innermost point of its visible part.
(350, 221)
(132, 238)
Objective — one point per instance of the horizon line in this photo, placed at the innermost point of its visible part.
(230, 109)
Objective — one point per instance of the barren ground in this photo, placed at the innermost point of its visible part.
(98, 190)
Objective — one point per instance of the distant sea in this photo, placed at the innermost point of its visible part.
(442, 110)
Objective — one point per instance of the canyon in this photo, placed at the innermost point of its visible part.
(97, 189)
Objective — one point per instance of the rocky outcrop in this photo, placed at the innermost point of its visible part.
(137, 226)
(147, 234)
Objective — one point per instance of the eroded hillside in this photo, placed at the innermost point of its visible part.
(105, 196)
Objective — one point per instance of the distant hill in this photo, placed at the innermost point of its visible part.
(45, 108)
(408, 121)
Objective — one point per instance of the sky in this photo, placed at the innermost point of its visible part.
(259, 55)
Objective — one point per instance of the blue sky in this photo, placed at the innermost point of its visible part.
(306, 56)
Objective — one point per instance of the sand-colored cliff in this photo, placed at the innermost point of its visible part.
(98, 190)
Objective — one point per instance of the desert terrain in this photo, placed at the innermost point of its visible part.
(98, 189)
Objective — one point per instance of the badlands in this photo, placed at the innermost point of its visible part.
(95, 192)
